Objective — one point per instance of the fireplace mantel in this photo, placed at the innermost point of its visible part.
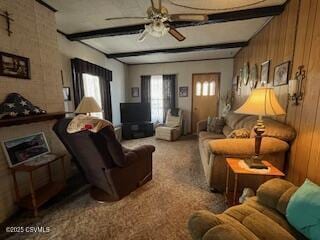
(31, 119)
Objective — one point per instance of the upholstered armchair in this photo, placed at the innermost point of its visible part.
(172, 129)
(112, 170)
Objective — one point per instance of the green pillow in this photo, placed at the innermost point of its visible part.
(303, 211)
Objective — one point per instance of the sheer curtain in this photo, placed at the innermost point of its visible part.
(156, 98)
(92, 88)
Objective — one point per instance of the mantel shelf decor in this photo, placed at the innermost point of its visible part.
(15, 106)
(31, 119)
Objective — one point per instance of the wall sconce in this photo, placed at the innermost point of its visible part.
(295, 86)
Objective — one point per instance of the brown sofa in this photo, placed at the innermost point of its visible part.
(260, 217)
(214, 148)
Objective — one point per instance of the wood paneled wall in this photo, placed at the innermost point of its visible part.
(293, 36)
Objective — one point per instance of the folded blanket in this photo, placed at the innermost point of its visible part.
(84, 122)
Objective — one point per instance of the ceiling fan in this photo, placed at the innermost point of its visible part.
(160, 21)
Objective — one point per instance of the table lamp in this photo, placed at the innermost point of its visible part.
(261, 102)
(88, 105)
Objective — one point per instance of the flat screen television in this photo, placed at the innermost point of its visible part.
(135, 112)
(24, 149)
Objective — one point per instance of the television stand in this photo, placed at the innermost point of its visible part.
(137, 130)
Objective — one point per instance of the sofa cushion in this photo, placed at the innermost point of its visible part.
(278, 130)
(303, 210)
(226, 130)
(245, 147)
(232, 119)
(215, 125)
(239, 133)
(247, 122)
(210, 135)
(256, 222)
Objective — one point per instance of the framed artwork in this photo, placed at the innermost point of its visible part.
(245, 74)
(66, 94)
(135, 92)
(281, 74)
(240, 77)
(14, 66)
(253, 76)
(265, 73)
(183, 91)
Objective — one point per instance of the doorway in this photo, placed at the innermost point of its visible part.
(205, 97)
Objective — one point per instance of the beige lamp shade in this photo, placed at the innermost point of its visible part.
(262, 102)
(88, 105)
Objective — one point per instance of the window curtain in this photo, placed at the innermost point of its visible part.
(80, 67)
(169, 93)
(145, 89)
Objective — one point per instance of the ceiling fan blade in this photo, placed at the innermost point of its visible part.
(143, 35)
(190, 17)
(120, 18)
(177, 35)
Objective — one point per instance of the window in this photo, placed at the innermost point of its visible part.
(198, 88)
(156, 98)
(91, 86)
(205, 88)
(212, 88)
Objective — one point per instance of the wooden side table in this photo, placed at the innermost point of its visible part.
(38, 197)
(235, 167)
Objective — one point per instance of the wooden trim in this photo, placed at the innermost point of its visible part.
(180, 50)
(182, 61)
(47, 5)
(212, 19)
(31, 119)
(218, 101)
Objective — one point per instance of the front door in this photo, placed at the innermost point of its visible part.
(205, 97)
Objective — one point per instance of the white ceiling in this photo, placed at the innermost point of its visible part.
(82, 15)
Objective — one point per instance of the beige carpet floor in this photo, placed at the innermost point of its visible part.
(158, 210)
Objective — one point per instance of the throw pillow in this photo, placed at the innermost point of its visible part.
(215, 125)
(303, 211)
(239, 133)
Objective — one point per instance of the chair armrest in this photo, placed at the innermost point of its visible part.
(239, 147)
(144, 150)
(201, 126)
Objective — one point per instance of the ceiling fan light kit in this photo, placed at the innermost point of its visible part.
(160, 22)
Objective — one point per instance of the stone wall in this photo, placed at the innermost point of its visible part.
(34, 36)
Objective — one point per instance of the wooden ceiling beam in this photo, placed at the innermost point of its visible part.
(213, 18)
(180, 50)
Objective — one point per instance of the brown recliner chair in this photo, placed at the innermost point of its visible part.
(112, 170)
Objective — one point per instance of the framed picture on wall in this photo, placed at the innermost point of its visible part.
(14, 66)
(135, 92)
(281, 74)
(183, 91)
(66, 94)
(265, 73)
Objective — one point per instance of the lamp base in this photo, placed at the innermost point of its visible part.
(255, 162)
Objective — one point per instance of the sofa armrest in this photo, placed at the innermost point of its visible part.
(207, 226)
(201, 126)
(245, 147)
